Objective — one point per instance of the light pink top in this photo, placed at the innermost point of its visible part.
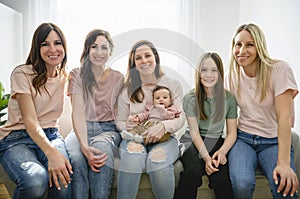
(48, 108)
(101, 104)
(126, 107)
(158, 112)
(257, 117)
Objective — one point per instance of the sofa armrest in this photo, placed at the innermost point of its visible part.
(296, 146)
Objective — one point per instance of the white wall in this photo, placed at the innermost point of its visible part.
(33, 13)
(11, 49)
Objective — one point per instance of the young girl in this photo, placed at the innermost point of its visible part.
(207, 108)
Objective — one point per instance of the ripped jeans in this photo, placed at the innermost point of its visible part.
(157, 160)
(105, 137)
(26, 164)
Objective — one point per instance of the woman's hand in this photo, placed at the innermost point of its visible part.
(131, 122)
(154, 133)
(288, 180)
(59, 169)
(95, 157)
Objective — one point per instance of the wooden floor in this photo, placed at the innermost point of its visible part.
(3, 192)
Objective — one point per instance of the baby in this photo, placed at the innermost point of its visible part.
(162, 109)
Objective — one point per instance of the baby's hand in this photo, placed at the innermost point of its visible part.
(136, 119)
(133, 118)
(177, 114)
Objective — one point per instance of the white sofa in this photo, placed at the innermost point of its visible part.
(262, 190)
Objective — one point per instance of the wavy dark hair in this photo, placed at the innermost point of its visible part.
(133, 80)
(86, 73)
(219, 88)
(35, 58)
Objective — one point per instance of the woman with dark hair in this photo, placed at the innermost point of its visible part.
(208, 107)
(94, 89)
(143, 75)
(32, 151)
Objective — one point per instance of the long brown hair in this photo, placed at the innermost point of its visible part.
(88, 79)
(200, 93)
(35, 58)
(133, 80)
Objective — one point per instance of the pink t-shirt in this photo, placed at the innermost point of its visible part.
(257, 117)
(101, 104)
(48, 107)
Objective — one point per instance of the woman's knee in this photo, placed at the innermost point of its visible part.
(78, 160)
(104, 147)
(158, 159)
(72, 143)
(35, 180)
(242, 182)
(132, 148)
(165, 152)
(133, 157)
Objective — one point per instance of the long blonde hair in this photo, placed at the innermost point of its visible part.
(265, 62)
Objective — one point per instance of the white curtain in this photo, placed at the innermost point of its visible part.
(190, 17)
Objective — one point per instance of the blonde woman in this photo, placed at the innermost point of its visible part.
(264, 89)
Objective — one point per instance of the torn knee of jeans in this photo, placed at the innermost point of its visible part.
(158, 155)
(25, 165)
(133, 147)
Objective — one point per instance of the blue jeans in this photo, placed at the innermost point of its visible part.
(105, 137)
(27, 166)
(249, 151)
(157, 160)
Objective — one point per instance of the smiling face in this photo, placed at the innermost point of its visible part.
(144, 60)
(99, 51)
(244, 50)
(52, 51)
(209, 73)
(162, 96)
